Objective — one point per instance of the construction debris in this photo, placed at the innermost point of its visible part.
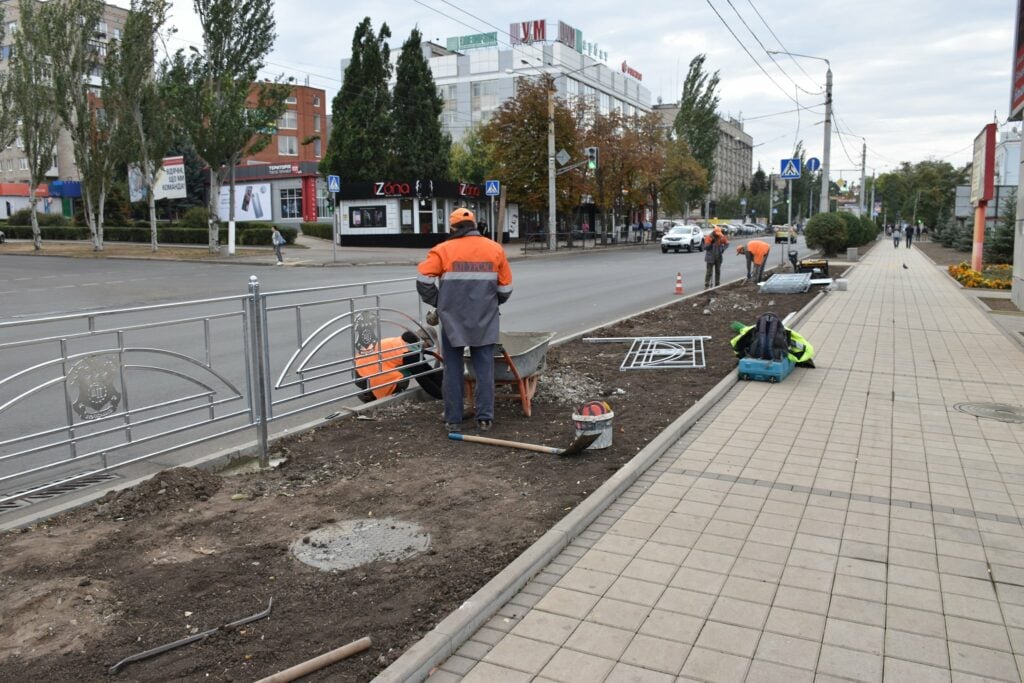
(787, 283)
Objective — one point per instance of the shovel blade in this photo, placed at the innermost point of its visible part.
(580, 444)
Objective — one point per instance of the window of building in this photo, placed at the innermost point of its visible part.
(289, 120)
(444, 67)
(12, 28)
(450, 102)
(99, 48)
(23, 164)
(316, 123)
(484, 100)
(290, 100)
(117, 34)
(101, 29)
(604, 104)
(5, 52)
(288, 145)
(316, 100)
(324, 209)
(483, 61)
(316, 148)
(368, 217)
(291, 202)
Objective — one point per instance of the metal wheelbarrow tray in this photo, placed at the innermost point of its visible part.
(519, 359)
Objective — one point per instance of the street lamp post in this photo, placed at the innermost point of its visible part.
(827, 146)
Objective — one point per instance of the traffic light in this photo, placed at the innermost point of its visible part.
(592, 157)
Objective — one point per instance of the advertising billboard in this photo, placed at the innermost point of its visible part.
(252, 202)
(170, 181)
(983, 166)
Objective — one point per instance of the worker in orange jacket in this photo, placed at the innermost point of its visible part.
(715, 244)
(466, 277)
(757, 256)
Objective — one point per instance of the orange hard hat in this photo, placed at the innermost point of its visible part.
(459, 215)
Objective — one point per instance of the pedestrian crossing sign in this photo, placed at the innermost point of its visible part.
(333, 183)
(790, 169)
(492, 188)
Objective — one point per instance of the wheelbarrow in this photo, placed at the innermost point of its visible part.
(519, 360)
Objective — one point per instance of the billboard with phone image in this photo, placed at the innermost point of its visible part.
(252, 202)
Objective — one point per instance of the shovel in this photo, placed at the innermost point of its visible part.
(577, 446)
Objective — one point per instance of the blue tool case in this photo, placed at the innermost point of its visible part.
(759, 370)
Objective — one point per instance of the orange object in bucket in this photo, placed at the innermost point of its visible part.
(595, 417)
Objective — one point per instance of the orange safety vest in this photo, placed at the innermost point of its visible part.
(759, 250)
(381, 368)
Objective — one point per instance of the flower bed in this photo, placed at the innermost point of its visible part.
(997, 276)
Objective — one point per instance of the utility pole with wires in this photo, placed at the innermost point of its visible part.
(863, 175)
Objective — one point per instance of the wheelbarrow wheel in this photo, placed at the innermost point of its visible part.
(432, 383)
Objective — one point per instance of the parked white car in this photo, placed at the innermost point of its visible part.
(679, 237)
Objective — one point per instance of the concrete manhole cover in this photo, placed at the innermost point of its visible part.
(359, 541)
(993, 411)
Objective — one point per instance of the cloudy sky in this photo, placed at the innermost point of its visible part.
(916, 78)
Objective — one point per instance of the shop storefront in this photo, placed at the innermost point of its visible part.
(403, 214)
(285, 194)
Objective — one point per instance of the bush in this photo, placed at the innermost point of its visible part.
(826, 231)
(196, 218)
(68, 232)
(24, 217)
(322, 230)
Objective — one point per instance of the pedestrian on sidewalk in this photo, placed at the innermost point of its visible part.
(895, 236)
(466, 277)
(910, 235)
(715, 245)
(278, 240)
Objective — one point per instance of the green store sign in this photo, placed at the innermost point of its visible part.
(471, 41)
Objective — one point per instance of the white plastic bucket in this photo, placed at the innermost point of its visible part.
(595, 424)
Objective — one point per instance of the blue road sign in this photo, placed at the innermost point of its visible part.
(812, 165)
(333, 183)
(492, 188)
(790, 169)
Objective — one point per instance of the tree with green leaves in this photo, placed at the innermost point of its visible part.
(8, 116)
(70, 42)
(216, 97)
(359, 149)
(697, 120)
(137, 95)
(471, 158)
(32, 96)
(999, 246)
(517, 135)
(420, 148)
(682, 179)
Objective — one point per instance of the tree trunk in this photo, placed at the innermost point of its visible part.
(99, 218)
(90, 220)
(37, 237)
(152, 221)
(214, 220)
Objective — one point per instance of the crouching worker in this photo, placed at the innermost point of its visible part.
(769, 339)
(756, 252)
(384, 369)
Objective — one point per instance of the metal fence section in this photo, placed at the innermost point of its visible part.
(83, 395)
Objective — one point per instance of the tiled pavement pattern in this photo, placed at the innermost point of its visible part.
(846, 524)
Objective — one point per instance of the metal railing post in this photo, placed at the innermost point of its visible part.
(259, 365)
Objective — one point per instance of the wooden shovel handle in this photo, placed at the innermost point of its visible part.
(503, 442)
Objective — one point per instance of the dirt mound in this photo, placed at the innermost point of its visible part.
(172, 489)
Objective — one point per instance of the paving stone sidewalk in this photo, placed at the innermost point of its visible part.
(850, 523)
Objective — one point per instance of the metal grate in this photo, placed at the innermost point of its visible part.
(787, 283)
(993, 411)
(57, 488)
(665, 352)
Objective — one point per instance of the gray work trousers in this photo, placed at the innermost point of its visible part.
(482, 359)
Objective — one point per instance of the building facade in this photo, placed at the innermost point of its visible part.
(281, 183)
(475, 75)
(734, 156)
(13, 163)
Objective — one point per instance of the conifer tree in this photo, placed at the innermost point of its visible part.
(360, 145)
(420, 148)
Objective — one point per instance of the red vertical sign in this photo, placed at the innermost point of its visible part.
(1017, 91)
